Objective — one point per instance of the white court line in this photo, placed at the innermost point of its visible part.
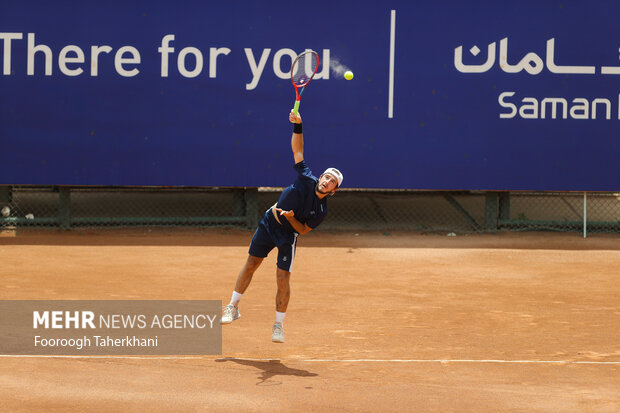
(442, 361)
(472, 361)
(392, 47)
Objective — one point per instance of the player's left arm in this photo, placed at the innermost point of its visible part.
(297, 226)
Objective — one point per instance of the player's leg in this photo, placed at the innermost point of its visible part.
(259, 248)
(245, 275)
(286, 256)
(282, 297)
(231, 311)
(284, 291)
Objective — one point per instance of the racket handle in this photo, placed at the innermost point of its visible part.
(296, 107)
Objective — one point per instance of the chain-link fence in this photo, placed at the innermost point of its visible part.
(350, 209)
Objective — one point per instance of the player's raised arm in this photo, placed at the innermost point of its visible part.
(297, 140)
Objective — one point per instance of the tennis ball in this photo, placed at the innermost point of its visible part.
(348, 75)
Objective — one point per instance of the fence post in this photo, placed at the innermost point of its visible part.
(251, 207)
(238, 202)
(64, 207)
(6, 195)
(491, 210)
(504, 206)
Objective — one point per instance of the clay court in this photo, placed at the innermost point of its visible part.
(376, 322)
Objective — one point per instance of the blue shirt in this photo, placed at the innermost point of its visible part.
(302, 200)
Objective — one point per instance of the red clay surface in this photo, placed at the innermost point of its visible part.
(376, 322)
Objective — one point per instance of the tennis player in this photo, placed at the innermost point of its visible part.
(301, 208)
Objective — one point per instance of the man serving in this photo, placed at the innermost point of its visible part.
(300, 208)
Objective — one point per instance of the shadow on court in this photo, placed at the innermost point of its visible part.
(270, 369)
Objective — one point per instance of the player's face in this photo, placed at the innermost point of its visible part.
(327, 184)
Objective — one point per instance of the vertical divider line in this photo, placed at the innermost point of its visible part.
(392, 46)
(585, 214)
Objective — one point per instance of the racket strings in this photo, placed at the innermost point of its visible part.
(304, 68)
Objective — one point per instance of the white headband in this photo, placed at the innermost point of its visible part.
(336, 174)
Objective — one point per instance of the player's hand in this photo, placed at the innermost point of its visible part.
(285, 213)
(294, 119)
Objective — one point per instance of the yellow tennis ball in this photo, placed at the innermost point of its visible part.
(348, 75)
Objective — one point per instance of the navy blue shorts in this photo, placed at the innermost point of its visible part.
(271, 234)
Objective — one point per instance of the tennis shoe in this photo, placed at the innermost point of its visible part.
(278, 333)
(231, 313)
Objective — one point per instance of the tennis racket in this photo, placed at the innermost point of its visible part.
(303, 70)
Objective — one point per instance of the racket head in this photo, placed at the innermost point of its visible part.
(304, 68)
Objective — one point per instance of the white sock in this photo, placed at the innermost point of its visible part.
(236, 297)
(280, 317)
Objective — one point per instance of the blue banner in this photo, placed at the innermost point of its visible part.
(446, 94)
